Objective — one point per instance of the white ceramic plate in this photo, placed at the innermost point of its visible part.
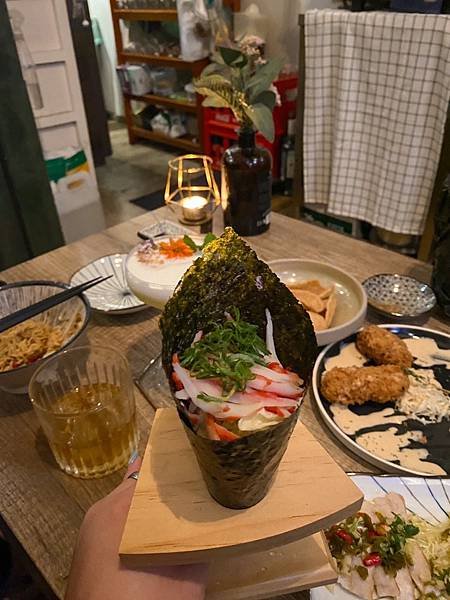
(435, 437)
(351, 298)
(112, 296)
(428, 498)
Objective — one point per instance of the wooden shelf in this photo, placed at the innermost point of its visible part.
(195, 68)
(146, 14)
(183, 105)
(163, 61)
(185, 143)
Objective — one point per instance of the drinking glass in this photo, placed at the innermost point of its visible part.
(84, 401)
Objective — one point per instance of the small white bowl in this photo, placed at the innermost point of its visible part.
(351, 297)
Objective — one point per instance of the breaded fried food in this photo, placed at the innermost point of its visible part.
(358, 385)
(383, 347)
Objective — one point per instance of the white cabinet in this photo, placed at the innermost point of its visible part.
(61, 122)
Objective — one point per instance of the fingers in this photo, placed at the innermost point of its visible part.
(133, 465)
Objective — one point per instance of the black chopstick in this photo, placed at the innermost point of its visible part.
(38, 307)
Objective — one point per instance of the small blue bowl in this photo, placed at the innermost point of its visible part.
(399, 295)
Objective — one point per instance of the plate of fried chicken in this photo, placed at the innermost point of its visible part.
(384, 392)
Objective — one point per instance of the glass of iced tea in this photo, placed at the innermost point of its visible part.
(84, 401)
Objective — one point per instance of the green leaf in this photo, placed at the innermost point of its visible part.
(212, 80)
(190, 242)
(215, 102)
(213, 68)
(268, 98)
(264, 76)
(231, 55)
(217, 58)
(262, 118)
(209, 237)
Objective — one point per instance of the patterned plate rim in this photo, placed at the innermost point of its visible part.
(343, 437)
(403, 315)
(117, 311)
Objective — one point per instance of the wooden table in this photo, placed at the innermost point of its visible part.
(41, 508)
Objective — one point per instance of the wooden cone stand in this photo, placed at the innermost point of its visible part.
(173, 519)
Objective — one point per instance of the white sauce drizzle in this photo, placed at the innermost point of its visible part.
(426, 352)
(390, 446)
(350, 422)
(348, 357)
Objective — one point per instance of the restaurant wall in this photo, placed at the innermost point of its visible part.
(283, 17)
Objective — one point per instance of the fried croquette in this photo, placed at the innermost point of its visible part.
(383, 347)
(357, 385)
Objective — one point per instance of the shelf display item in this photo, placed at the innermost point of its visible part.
(194, 29)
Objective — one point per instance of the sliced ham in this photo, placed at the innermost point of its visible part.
(389, 505)
(364, 588)
(385, 584)
(419, 569)
(397, 504)
(405, 585)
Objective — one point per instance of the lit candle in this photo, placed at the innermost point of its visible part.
(194, 208)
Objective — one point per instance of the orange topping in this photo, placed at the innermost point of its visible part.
(175, 249)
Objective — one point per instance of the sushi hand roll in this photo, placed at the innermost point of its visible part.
(238, 350)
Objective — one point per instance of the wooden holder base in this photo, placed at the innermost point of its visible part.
(173, 520)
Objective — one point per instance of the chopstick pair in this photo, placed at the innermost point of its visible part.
(38, 307)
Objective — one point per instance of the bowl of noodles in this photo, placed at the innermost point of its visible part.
(24, 347)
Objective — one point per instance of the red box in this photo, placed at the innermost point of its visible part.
(220, 126)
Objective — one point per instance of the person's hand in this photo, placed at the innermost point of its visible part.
(97, 573)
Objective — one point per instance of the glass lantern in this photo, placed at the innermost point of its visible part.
(191, 189)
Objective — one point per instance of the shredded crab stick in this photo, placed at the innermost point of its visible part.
(233, 387)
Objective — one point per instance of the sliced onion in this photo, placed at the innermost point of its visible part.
(193, 391)
(197, 337)
(270, 343)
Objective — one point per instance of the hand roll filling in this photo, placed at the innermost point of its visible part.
(230, 382)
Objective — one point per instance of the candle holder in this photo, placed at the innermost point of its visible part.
(191, 189)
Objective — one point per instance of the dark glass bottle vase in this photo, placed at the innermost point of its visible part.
(247, 181)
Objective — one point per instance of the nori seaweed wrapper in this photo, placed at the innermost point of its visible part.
(238, 474)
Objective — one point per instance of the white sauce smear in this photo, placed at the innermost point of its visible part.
(387, 445)
(425, 400)
(427, 353)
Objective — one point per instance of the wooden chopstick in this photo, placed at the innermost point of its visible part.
(38, 307)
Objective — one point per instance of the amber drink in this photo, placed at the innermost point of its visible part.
(84, 401)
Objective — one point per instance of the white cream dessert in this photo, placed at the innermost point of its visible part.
(154, 269)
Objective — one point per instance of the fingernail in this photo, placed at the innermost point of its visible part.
(133, 457)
